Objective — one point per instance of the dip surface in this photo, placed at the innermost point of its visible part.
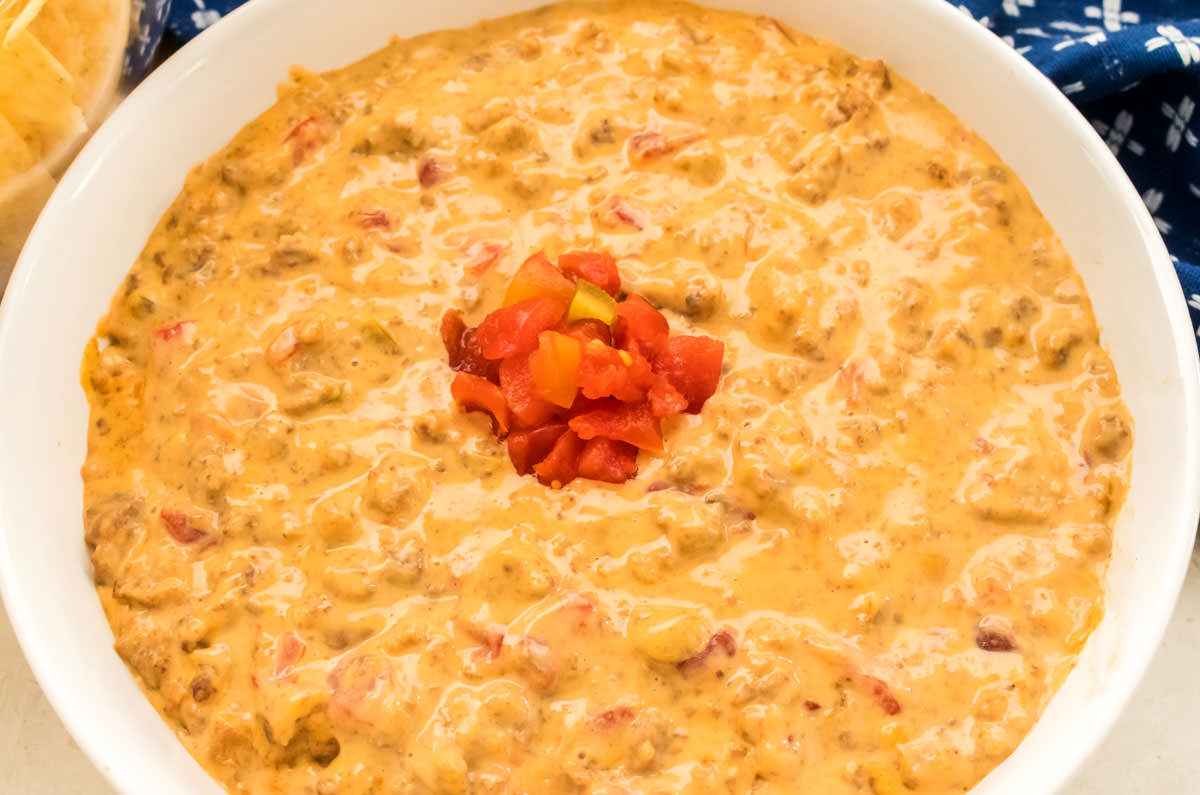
(865, 567)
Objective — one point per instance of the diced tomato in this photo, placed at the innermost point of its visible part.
(291, 649)
(605, 371)
(561, 465)
(305, 137)
(851, 379)
(625, 422)
(721, 641)
(651, 144)
(597, 267)
(183, 329)
(462, 347)
(513, 330)
(428, 173)
(693, 366)
(554, 366)
(516, 384)
(538, 277)
(883, 695)
(526, 448)
(618, 210)
(640, 327)
(181, 528)
(618, 715)
(373, 219)
(608, 460)
(664, 399)
(586, 330)
(483, 254)
(473, 393)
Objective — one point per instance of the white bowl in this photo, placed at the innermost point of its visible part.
(97, 221)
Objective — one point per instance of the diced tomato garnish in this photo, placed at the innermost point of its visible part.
(462, 347)
(554, 366)
(605, 371)
(625, 422)
(513, 330)
(586, 330)
(473, 393)
(640, 327)
(538, 277)
(516, 384)
(428, 173)
(526, 448)
(561, 465)
(597, 267)
(664, 399)
(608, 460)
(693, 366)
(181, 528)
(576, 382)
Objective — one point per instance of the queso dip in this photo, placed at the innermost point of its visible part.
(864, 567)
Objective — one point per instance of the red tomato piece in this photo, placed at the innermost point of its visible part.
(597, 267)
(184, 329)
(526, 448)
(462, 347)
(608, 460)
(586, 330)
(624, 422)
(483, 254)
(605, 371)
(561, 465)
(428, 173)
(664, 399)
(181, 528)
(640, 327)
(291, 649)
(513, 330)
(693, 366)
(520, 393)
(538, 277)
(473, 393)
(306, 136)
(373, 219)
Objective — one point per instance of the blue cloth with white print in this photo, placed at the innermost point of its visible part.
(1131, 66)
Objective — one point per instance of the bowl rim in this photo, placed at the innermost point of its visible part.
(162, 82)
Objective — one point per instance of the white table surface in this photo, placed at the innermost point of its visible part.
(1155, 749)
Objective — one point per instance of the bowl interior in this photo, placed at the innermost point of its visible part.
(96, 223)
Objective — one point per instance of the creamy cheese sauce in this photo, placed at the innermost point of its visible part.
(864, 568)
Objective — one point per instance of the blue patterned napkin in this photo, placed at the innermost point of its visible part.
(1131, 66)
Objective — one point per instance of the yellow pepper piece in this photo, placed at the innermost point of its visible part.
(591, 303)
(554, 366)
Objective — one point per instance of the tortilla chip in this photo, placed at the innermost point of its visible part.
(37, 95)
(87, 38)
(15, 155)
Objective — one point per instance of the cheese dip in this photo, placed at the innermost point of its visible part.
(864, 567)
